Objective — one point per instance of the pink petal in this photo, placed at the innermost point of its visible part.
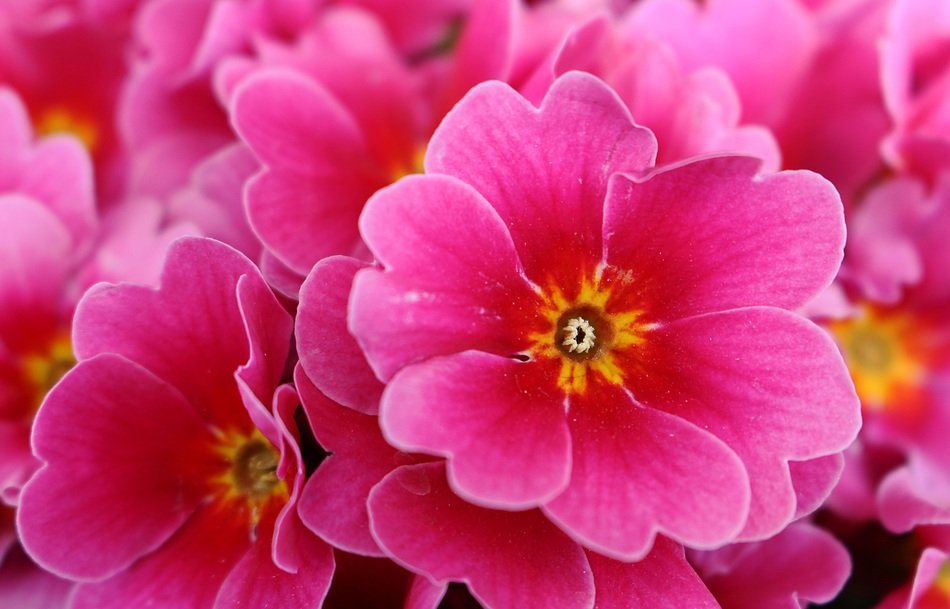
(484, 49)
(214, 200)
(495, 418)
(70, 196)
(508, 559)
(544, 171)
(765, 47)
(15, 130)
(23, 585)
(333, 503)
(303, 219)
(34, 264)
(803, 563)
(338, 51)
(17, 462)
(132, 244)
(423, 594)
(195, 337)
(417, 30)
(292, 123)
(267, 328)
(662, 579)
(902, 506)
(417, 309)
(116, 482)
(711, 235)
(289, 538)
(328, 352)
(814, 480)
(186, 573)
(257, 582)
(318, 170)
(638, 472)
(770, 384)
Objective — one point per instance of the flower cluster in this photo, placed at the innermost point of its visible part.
(588, 304)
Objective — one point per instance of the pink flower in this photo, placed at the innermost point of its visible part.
(612, 348)
(801, 564)
(897, 339)
(52, 247)
(67, 68)
(416, 519)
(765, 47)
(690, 112)
(837, 118)
(171, 467)
(915, 70)
(517, 559)
(46, 226)
(340, 114)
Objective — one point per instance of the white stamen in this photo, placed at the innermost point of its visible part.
(578, 327)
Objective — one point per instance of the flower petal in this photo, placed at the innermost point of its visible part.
(304, 204)
(770, 384)
(328, 352)
(499, 422)
(333, 503)
(257, 582)
(662, 579)
(474, 298)
(508, 559)
(197, 330)
(803, 563)
(814, 480)
(116, 442)
(544, 170)
(638, 472)
(186, 574)
(710, 235)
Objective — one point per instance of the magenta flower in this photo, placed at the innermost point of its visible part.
(898, 350)
(171, 467)
(690, 112)
(765, 47)
(517, 559)
(46, 226)
(68, 66)
(801, 564)
(915, 75)
(615, 349)
(328, 136)
(25, 586)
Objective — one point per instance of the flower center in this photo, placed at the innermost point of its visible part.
(870, 351)
(579, 336)
(255, 469)
(59, 119)
(410, 166)
(43, 369)
(883, 358)
(247, 482)
(588, 333)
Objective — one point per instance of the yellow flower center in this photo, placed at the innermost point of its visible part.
(414, 165)
(59, 119)
(881, 354)
(587, 332)
(249, 481)
(43, 369)
(942, 582)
